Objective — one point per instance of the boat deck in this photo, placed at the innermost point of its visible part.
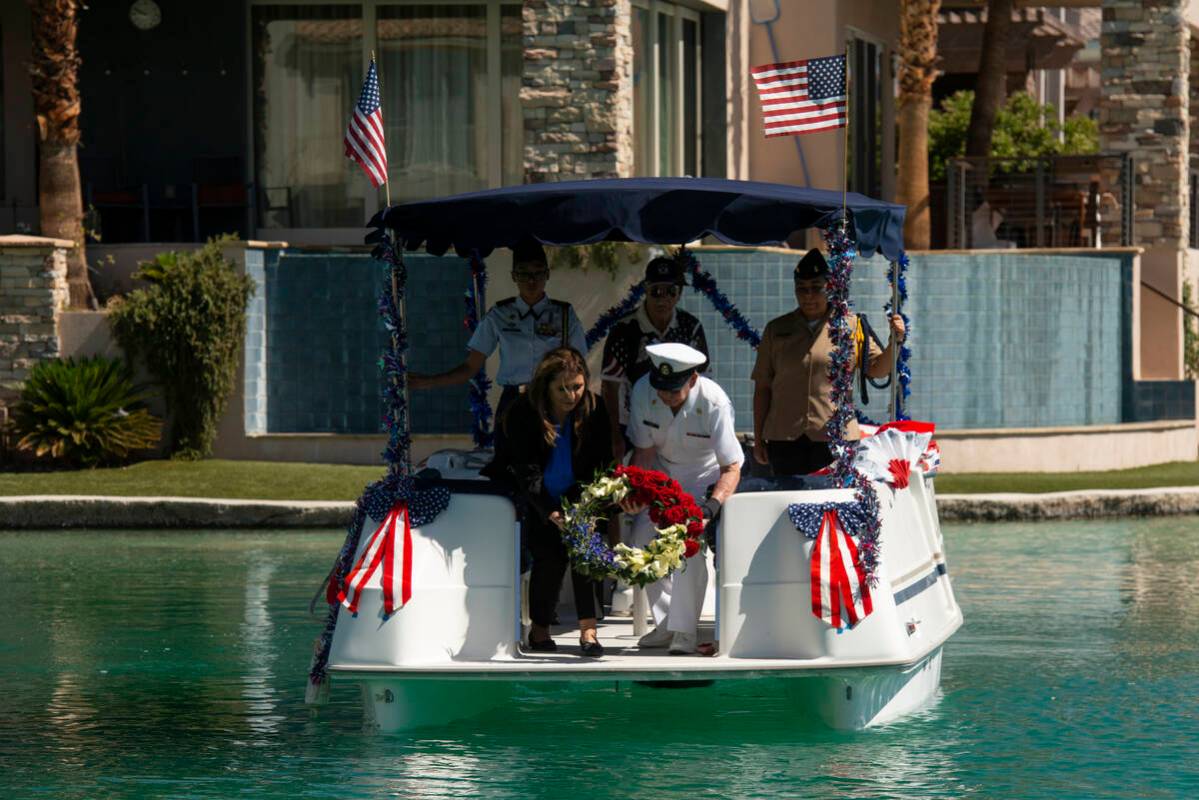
(623, 660)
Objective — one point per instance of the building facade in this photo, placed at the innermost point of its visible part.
(229, 115)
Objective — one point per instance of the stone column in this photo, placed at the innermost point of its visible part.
(33, 289)
(577, 89)
(1145, 110)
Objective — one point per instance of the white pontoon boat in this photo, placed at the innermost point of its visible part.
(453, 650)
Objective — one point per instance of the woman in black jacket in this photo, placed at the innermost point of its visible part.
(556, 438)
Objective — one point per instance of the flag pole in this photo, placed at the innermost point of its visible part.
(401, 310)
(386, 179)
(848, 107)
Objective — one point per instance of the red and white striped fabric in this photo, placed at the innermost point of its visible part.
(840, 594)
(801, 97)
(380, 551)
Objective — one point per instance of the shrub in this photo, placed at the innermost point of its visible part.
(1024, 129)
(84, 413)
(188, 326)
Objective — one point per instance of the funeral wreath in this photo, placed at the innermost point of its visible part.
(676, 516)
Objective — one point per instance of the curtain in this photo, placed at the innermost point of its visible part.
(307, 75)
(433, 68)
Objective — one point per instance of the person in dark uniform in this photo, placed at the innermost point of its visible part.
(524, 328)
(792, 391)
(655, 321)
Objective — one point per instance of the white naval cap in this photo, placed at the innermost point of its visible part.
(673, 364)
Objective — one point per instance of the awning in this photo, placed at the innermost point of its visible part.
(646, 210)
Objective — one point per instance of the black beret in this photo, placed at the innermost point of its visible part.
(812, 266)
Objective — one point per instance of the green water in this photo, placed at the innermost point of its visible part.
(172, 665)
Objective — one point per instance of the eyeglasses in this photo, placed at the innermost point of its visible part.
(664, 291)
(522, 276)
(809, 288)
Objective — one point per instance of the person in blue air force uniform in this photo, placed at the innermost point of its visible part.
(524, 328)
(682, 424)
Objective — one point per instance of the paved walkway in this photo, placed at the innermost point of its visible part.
(78, 511)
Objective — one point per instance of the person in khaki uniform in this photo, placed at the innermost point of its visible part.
(792, 392)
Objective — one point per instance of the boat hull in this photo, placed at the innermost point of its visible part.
(847, 700)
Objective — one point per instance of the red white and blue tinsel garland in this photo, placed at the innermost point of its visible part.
(378, 500)
(898, 271)
(705, 284)
(391, 364)
(615, 314)
(480, 409)
(841, 253)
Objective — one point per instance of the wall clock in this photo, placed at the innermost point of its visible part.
(145, 14)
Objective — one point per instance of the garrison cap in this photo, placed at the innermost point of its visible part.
(811, 267)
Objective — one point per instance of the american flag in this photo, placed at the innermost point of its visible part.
(840, 591)
(364, 134)
(802, 96)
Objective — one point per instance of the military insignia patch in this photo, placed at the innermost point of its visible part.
(664, 369)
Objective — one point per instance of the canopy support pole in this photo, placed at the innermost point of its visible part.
(893, 405)
(403, 465)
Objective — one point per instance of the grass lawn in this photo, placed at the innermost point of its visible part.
(1176, 473)
(265, 480)
(249, 480)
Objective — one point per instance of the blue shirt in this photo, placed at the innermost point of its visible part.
(559, 472)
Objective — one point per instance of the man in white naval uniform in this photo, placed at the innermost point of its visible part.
(682, 423)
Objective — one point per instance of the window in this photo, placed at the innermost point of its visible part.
(449, 77)
(3, 188)
(666, 90)
(865, 117)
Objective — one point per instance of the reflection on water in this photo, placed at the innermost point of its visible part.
(258, 637)
(172, 665)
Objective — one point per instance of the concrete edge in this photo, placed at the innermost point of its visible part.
(78, 511)
(73, 511)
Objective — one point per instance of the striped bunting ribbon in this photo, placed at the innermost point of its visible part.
(840, 593)
(380, 551)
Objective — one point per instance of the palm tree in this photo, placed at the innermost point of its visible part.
(55, 72)
(917, 71)
(991, 86)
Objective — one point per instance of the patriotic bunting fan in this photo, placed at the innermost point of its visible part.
(890, 455)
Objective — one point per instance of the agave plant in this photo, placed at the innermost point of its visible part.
(84, 412)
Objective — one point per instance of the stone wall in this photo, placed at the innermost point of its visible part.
(33, 288)
(1145, 110)
(576, 89)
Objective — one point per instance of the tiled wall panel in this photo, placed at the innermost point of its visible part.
(324, 339)
(999, 340)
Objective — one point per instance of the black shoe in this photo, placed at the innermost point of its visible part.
(543, 646)
(591, 649)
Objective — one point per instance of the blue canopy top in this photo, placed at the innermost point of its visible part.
(647, 210)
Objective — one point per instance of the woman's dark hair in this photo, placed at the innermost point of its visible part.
(553, 364)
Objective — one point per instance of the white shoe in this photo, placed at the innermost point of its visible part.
(683, 644)
(658, 637)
